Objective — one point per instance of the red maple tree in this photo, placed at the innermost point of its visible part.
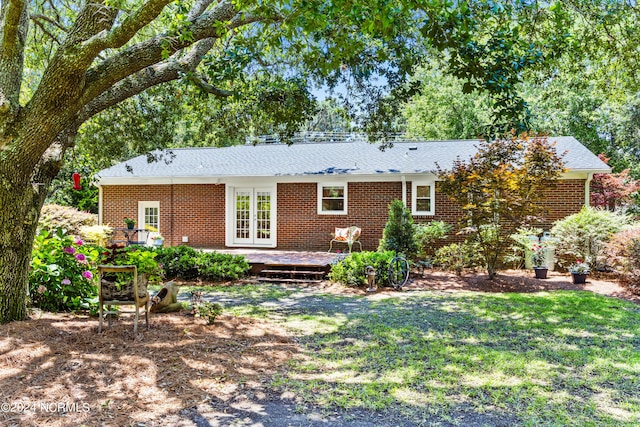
(612, 190)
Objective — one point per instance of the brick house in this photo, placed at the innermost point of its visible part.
(292, 197)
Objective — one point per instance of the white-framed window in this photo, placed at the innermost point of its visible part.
(332, 198)
(423, 197)
(149, 216)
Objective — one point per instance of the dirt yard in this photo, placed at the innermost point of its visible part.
(55, 369)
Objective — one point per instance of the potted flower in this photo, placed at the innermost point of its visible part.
(130, 223)
(579, 271)
(158, 240)
(538, 259)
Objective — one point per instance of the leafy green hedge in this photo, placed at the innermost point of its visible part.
(178, 261)
(187, 263)
(351, 270)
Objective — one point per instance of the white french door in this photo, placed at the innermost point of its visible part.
(253, 216)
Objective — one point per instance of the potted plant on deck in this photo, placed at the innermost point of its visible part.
(538, 259)
(157, 240)
(579, 271)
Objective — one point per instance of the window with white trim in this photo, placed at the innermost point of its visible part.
(423, 199)
(332, 199)
(149, 216)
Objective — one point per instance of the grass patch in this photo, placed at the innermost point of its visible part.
(246, 291)
(564, 358)
(561, 358)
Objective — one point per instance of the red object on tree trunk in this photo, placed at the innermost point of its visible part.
(76, 181)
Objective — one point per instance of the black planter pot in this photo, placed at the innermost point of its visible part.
(541, 272)
(579, 278)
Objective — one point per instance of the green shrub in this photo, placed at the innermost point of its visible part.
(427, 234)
(187, 263)
(62, 272)
(351, 270)
(456, 257)
(179, 262)
(399, 232)
(96, 234)
(140, 256)
(69, 219)
(583, 235)
(208, 310)
(623, 253)
(217, 266)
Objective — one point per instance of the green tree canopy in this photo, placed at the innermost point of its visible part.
(62, 63)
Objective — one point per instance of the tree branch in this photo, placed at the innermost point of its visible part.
(12, 14)
(207, 87)
(133, 23)
(13, 24)
(36, 17)
(134, 84)
(149, 52)
(198, 9)
(49, 34)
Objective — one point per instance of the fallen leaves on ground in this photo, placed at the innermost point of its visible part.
(56, 370)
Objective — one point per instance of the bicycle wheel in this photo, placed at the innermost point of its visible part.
(398, 272)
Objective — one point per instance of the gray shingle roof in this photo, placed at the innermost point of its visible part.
(341, 158)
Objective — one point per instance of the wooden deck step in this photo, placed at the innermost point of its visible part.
(294, 280)
(293, 272)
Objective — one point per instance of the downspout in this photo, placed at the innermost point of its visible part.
(171, 216)
(100, 205)
(587, 189)
(404, 190)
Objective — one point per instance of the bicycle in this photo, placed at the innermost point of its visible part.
(398, 271)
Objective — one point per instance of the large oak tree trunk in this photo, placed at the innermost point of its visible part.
(22, 195)
(19, 210)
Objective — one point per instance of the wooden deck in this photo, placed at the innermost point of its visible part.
(286, 266)
(275, 257)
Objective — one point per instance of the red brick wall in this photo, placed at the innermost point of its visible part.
(565, 198)
(197, 211)
(301, 228)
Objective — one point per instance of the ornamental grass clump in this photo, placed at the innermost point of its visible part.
(61, 277)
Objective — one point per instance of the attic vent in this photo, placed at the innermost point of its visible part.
(414, 148)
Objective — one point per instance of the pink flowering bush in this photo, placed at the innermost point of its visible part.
(62, 271)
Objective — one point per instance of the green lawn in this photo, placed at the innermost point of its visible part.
(562, 358)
